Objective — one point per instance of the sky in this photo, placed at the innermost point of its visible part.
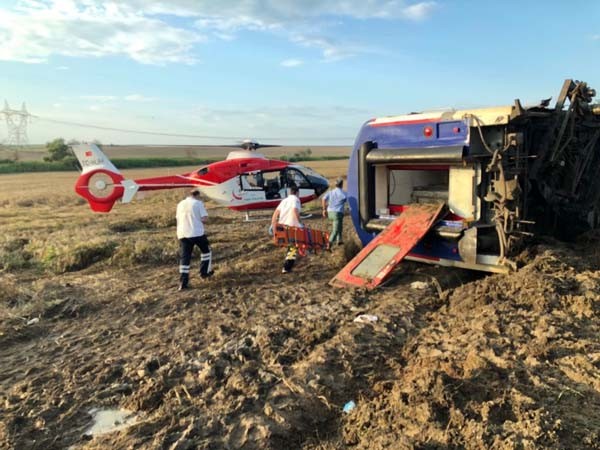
(295, 72)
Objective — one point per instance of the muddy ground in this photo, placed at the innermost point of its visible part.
(255, 359)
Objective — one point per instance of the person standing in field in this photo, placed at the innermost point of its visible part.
(333, 207)
(288, 213)
(191, 215)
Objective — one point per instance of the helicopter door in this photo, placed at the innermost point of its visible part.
(273, 188)
(252, 186)
(261, 185)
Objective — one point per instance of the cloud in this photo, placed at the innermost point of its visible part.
(138, 98)
(596, 37)
(304, 23)
(291, 62)
(286, 124)
(332, 50)
(419, 11)
(266, 114)
(229, 14)
(145, 31)
(99, 98)
(62, 68)
(34, 31)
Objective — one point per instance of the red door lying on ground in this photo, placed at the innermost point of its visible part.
(374, 262)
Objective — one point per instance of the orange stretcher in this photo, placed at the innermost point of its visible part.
(304, 239)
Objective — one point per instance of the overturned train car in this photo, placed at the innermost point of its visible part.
(504, 173)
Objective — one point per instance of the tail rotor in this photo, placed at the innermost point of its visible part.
(100, 188)
(100, 182)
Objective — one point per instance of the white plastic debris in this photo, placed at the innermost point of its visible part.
(109, 420)
(419, 285)
(349, 406)
(33, 321)
(366, 318)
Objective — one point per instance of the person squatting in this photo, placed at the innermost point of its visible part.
(191, 215)
(288, 213)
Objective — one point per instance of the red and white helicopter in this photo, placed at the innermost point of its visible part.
(244, 181)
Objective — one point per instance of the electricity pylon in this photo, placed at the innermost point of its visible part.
(16, 127)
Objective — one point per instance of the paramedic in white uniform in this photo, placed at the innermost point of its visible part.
(288, 213)
(191, 215)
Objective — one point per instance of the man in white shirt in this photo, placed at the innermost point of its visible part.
(288, 213)
(191, 216)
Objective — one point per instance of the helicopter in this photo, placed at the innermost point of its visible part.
(244, 181)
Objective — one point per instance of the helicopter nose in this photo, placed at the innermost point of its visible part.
(321, 186)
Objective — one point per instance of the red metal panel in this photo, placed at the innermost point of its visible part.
(389, 248)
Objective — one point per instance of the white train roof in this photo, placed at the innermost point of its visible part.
(497, 115)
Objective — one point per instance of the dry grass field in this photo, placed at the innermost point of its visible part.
(37, 153)
(254, 359)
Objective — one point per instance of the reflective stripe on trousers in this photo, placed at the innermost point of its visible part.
(186, 246)
(205, 263)
(290, 258)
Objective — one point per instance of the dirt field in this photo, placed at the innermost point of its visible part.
(254, 359)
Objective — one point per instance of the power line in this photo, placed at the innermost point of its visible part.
(198, 136)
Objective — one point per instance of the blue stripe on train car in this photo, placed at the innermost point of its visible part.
(435, 247)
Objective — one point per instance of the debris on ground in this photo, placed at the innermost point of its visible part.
(366, 318)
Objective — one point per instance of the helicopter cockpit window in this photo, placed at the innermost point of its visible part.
(307, 171)
(296, 177)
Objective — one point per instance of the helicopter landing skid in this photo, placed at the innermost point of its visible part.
(247, 218)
